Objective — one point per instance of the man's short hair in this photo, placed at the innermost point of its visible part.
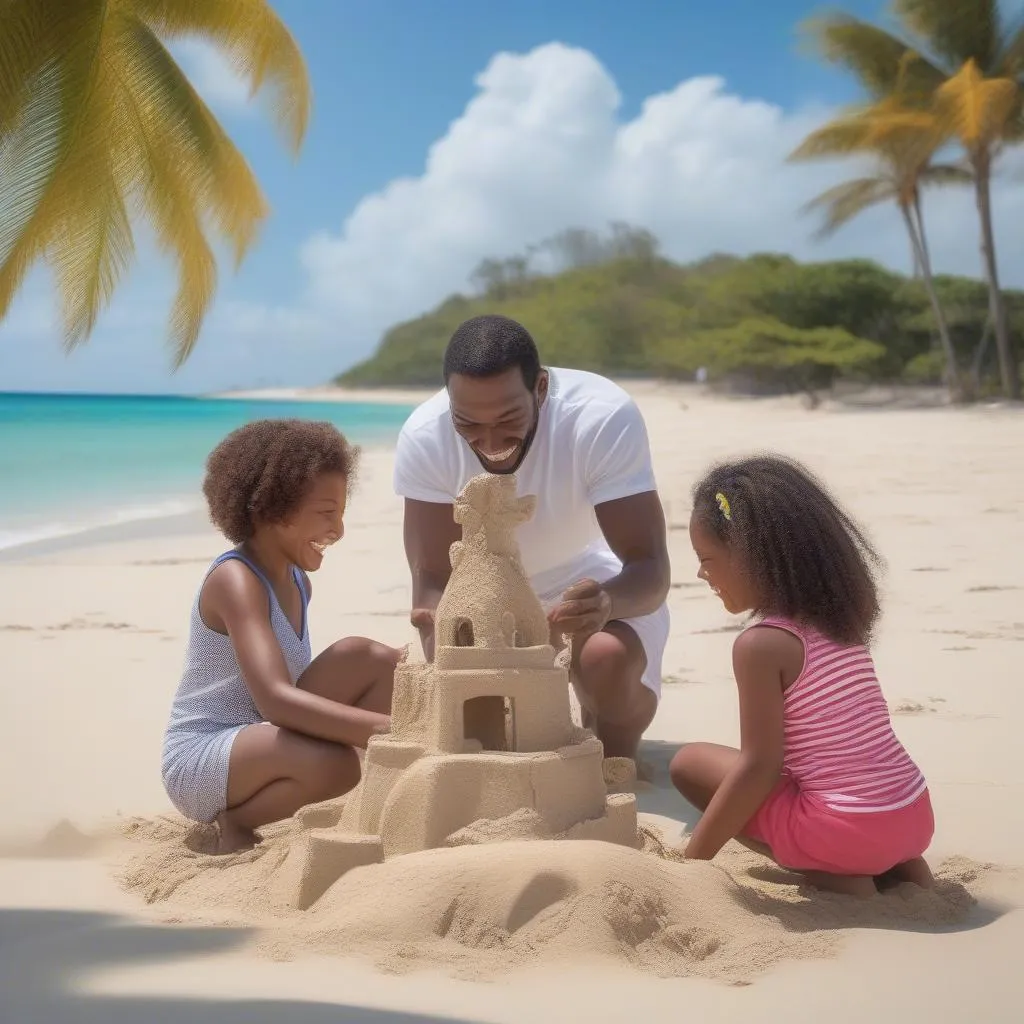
(485, 346)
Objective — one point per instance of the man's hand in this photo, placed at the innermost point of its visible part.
(422, 620)
(585, 609)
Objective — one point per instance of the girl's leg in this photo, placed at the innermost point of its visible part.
(697, 771)
(272, 773)
(915, 871)
(354, 671)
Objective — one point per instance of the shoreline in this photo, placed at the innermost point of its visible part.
(156, 528)
(128, 522)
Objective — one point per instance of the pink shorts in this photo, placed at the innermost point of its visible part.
(805, 836)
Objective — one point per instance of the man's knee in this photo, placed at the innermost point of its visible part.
(611, 665)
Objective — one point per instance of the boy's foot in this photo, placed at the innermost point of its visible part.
(232, 837)
(915, 871)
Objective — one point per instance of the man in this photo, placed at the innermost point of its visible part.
(595, 550)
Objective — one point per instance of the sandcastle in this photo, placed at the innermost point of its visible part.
(482, 747)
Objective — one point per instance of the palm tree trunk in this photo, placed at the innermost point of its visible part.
(914, 221)
(978, 361)
(997, 307)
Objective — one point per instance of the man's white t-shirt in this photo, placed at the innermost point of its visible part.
(591, 446)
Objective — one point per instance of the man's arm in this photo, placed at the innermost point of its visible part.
(635, 530)
(430, 530)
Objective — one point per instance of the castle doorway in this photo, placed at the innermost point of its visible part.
(491, 721)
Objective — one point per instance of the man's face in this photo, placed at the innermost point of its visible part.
(497, 416)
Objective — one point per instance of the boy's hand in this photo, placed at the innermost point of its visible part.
(585, 609)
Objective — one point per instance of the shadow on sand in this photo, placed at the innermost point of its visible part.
(45, 955)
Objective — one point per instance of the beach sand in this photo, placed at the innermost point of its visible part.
(91, 641)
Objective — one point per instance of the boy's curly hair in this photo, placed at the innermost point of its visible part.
(809, 560)
(262, 471)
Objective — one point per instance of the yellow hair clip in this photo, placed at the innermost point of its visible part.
(723, 504)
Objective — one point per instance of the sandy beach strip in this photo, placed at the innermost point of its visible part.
(91, 640)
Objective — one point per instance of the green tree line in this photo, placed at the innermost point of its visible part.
(613, 304)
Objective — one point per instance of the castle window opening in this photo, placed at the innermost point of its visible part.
(491, 721)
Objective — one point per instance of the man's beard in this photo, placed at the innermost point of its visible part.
(524, 446)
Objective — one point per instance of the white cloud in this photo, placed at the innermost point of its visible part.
(538, 148)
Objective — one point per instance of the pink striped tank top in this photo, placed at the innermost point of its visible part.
(840, 747)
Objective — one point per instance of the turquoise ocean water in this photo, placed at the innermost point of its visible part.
(73, 462)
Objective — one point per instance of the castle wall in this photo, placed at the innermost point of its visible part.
(386, 759)
(439, 795)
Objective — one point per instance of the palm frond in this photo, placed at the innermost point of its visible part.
(28, 153)
(40, 137)
(903, 135)
(956, 30)
(883, 63)
(844, 202)
(35, 34)
(258, 44)
(191, 136)
(842, 137)
(975, 108)
(92, 244)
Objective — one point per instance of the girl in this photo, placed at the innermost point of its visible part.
(820, 783)
(258, 729)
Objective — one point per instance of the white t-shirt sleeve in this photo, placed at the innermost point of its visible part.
(617, 454)
(422, 468)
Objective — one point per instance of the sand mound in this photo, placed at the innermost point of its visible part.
(480, 911)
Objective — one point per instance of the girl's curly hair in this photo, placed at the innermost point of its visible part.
(262, 471)
(808, 559)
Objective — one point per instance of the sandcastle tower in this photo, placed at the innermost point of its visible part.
(482, 746)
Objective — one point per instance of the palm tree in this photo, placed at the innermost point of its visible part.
(902, 144)
(962, 59)
(100, 127)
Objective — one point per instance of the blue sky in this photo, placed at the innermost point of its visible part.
(447, 131)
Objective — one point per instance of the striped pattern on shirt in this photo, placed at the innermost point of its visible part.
(840, 747)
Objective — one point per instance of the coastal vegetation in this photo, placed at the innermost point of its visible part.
(100, 128)
(613, 304)
(948, 78)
